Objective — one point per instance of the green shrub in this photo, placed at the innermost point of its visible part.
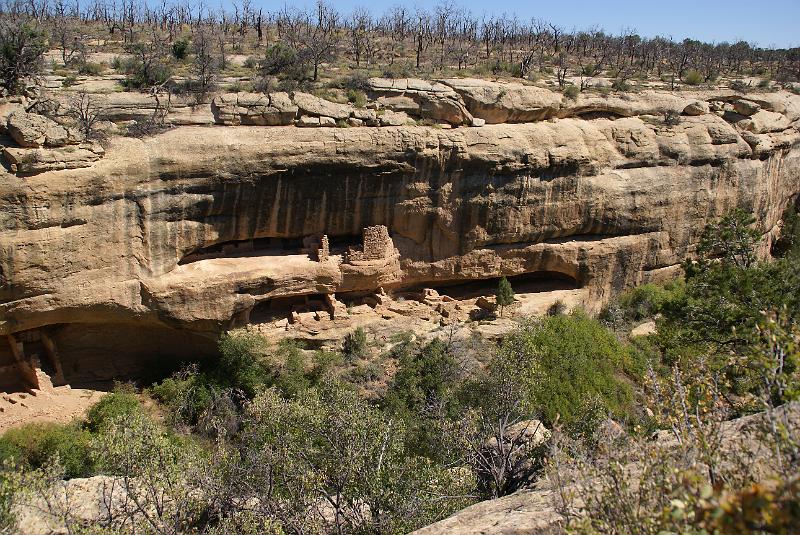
(357, 98)
(286, 63)
(620, 84)
(180, 49)
(366, 372)
(188, 394)
(34, 445)
(422, 377)
(570, 359)
(693, 77)
(90, 68)
(647, 300)
(122, 402)
(251, 62)
(241, 363)
(69, 80)
(22, 47)
(354, 345)
(572, 92)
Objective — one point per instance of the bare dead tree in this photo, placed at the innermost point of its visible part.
(86, 110)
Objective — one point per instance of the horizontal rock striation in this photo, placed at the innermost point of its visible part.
(168, 240)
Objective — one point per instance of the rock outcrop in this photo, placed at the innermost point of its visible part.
(155, 248)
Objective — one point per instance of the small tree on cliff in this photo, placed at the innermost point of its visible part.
(504, 295)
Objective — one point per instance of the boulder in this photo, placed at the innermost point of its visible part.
(32, 131)
(254, 109)
(365, 114)
(505, 102)
(394, 118)
(311, 105)
(698, 107)
(327, 121)
(39, 160)
(746, 107)
(420, 98)
(399, 103)
(306, 121)
(763, 122)
(448, 110)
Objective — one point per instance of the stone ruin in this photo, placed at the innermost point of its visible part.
(376, 245)
(317, 247)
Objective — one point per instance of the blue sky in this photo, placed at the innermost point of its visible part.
(766, 22)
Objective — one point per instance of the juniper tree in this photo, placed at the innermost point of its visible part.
(504, 294)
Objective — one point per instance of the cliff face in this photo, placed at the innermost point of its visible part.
(172, 238)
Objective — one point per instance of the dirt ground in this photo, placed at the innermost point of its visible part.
(47, 404)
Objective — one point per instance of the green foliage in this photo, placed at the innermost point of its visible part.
(34, 445)
(147, 65)
(330, 442)
(120, 403)
(285, 62)
(564, 361)
(423, 378)
(572, 91)
(357, 98)
(22, 46)
(620, 84)
(354, 345)
(180, 49)
(504, 294)
(693, 77)
(251, 62)
(90, 68)
(241, 363)
(788, 243)
(8, 491)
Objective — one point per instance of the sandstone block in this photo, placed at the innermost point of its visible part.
(697, 107)
(307, 121)
(746, 107)
(311, 105)
(32, 130)
(394, 118)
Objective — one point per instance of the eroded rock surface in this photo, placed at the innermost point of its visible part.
(155, 248)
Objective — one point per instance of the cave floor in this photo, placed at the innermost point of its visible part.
(426, 315)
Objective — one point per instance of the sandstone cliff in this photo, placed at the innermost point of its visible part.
(162, 243)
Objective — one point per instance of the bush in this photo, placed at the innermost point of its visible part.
(34, 445)
(572, 92)
(356, 98)
(122, 402)
(570, 359)
(620, 84)
(740, 86)
(693, 77)
(647, 300)
(354, 345)
(22, 47)
(188, 394)
(286, 63)
(90, 68)
(241, 364)
(423, 377)
(251, 62)
(180, 49)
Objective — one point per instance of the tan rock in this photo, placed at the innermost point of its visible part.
(311, 105)
(33, 131)
(746, 107)
(697, 107)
